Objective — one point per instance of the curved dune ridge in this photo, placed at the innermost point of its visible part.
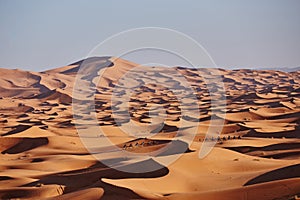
(149, 115)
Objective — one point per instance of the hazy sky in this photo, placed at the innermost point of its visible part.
(42, 34)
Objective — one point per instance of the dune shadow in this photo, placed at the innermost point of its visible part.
(17, 129)
(26, 144)
(286, 134)
(292, 171)
(91, 177)
(273, 147)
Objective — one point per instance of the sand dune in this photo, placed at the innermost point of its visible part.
(255, 131)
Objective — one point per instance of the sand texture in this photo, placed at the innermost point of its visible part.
(256, 155)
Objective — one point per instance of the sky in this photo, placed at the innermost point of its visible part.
(43, 34)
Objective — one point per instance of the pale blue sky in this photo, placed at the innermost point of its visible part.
(42, 34)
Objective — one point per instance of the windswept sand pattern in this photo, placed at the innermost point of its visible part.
(257, 155)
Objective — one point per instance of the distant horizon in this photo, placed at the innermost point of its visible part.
(285, 69)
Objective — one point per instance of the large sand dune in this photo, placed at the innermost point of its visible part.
(256, 156)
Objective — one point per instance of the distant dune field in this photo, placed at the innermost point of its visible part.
(256, 156)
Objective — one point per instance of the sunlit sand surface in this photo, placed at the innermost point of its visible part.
(256, 156)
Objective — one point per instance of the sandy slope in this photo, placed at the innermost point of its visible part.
(256, 156)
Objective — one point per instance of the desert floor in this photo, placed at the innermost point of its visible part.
(249, 118)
